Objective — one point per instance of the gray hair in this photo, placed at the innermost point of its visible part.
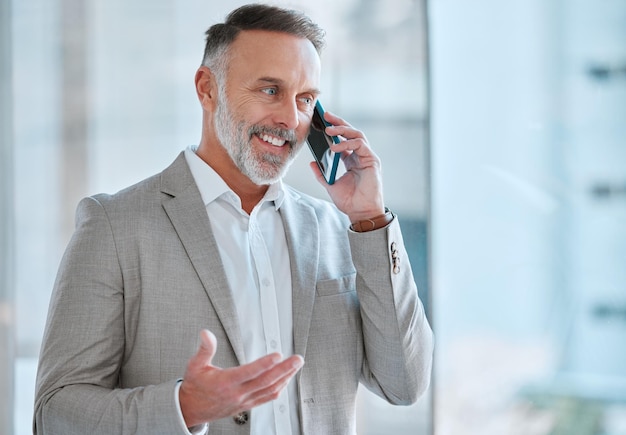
(219, 37)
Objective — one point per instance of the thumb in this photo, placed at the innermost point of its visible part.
(206, 350)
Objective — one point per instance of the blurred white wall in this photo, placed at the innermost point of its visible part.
(525, 257)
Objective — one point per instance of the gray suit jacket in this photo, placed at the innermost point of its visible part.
(142, 275)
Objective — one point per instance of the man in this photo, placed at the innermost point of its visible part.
(216, 245)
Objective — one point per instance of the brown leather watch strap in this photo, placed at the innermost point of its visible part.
(374, 223)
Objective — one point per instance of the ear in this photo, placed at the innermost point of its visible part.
(206, 88)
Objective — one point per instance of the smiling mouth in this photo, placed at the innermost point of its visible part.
(272, 140)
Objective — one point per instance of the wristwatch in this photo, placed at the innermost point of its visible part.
(374, 223)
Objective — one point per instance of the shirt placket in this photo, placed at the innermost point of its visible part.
(270, 318)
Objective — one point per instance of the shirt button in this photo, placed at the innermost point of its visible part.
(273, 344)
(282, 408)
(266, 282)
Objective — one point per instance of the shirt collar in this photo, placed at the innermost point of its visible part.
(212, 186)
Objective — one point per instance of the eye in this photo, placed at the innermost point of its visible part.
(269, 91)
(307, 100)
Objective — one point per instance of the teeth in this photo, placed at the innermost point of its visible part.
(273, 140)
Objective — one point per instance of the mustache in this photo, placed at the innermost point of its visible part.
(287, 135)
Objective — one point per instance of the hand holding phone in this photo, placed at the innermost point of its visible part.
(357, 192)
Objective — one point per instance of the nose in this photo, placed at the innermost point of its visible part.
(287, 114)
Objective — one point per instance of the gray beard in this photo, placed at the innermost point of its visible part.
(260, 169)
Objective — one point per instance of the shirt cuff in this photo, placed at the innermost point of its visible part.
(201, 429)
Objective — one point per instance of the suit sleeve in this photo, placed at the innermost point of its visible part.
(83, 346)
(398, 341)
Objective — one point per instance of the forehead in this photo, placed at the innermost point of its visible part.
(258, 53)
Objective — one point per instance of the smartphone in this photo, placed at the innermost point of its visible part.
(319, 144)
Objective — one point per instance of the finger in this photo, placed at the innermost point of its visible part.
(254, 369)
(350, 144)
(261, 392)
(356, 153)
(285, 368)
(341, 127)
(206, 350)
(344, 132)
(334, 119)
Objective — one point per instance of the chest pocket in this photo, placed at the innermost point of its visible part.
(329, 287)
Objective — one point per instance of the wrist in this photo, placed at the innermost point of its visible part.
(373, 223)
(198, 429)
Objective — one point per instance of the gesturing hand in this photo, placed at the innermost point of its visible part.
(209, 393)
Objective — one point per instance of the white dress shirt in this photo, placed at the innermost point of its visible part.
(253, 250)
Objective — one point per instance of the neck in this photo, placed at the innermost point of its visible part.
(217, 158)
(250, 195)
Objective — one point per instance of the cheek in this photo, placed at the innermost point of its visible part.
(247, 109)
(302, 131)
(303, 126)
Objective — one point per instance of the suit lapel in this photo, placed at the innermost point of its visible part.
(303, 253)
(188, 215)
